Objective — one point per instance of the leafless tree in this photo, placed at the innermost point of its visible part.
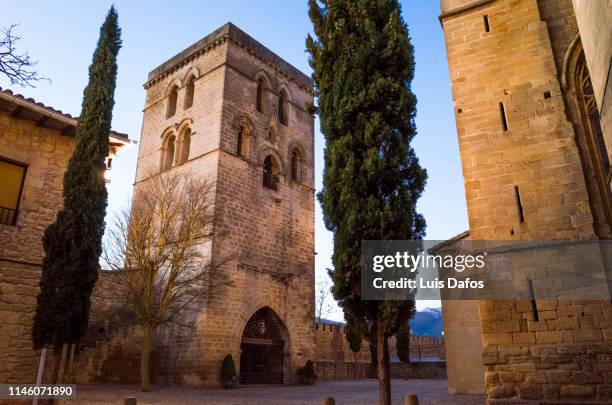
(324, 300)
(14, 65)
(158, 249)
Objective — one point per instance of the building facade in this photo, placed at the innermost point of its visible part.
(36, 142)
(536, 165)
(230, 111)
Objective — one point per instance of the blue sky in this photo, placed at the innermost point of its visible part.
(62, 35)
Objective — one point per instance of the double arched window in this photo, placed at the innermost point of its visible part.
(175, 149)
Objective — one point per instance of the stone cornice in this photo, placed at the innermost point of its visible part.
(229, 32)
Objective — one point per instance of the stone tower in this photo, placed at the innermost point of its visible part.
(230, 110)
(536, 167)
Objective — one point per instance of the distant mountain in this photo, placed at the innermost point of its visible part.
(427, 322)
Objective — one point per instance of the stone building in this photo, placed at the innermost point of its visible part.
(36, 142)
(529, 81)
(229, 110)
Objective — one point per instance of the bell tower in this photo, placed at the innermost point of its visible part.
(230, 110)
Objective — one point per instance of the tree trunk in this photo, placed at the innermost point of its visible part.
(57, 362)
(64, 360)
(145, 354)
(69, 365)
(382, 348)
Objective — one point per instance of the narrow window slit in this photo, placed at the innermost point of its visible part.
(547, 94)
(502, 113)
(485, 19)
(534, 304)
(519, 204)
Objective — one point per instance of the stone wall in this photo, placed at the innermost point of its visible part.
(331, 346)
(523, 170)
(46, 152)
(110, 351)
(331, 370)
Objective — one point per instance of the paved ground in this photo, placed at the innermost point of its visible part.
(349, 392)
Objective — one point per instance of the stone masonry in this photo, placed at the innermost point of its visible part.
(42, 139)
(263, 238)
(529, 175)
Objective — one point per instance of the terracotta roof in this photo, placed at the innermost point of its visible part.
(47, 112)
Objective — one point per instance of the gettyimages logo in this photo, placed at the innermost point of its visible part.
(486, 270)
(405, 260)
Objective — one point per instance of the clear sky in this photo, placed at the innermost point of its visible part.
(62, 35)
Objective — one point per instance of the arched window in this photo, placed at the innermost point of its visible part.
(260, 95)
(296, 165)
(282, 107)
(184, 146)
(172, 98)
(270, 173)
(189, 91)
(168, 153)
(242, 140)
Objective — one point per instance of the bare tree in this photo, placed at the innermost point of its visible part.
(158, 251)
(14, 65)
(324, 301)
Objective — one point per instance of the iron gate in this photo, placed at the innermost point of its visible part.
(262, 351)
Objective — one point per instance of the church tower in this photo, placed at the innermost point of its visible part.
(230, 110)
(536, 167)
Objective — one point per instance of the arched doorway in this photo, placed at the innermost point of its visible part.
(262, 349)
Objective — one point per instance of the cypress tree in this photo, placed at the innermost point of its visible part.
(402, 344)
(363, 66)
(353, 337)
(73, 243)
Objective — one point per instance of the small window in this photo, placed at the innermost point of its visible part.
(270, 173)
(185, 145)
(296, 165)
(485, 19)
(260, 95)
(242, 141)
(502, 113)
(282, 107)
(519, 204)
(172, 99)
(13, 176)
(168, 153)
(189, 92)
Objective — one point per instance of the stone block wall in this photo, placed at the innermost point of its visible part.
(563, 355)
(331, 346)
(525, 180)
(46, 152)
